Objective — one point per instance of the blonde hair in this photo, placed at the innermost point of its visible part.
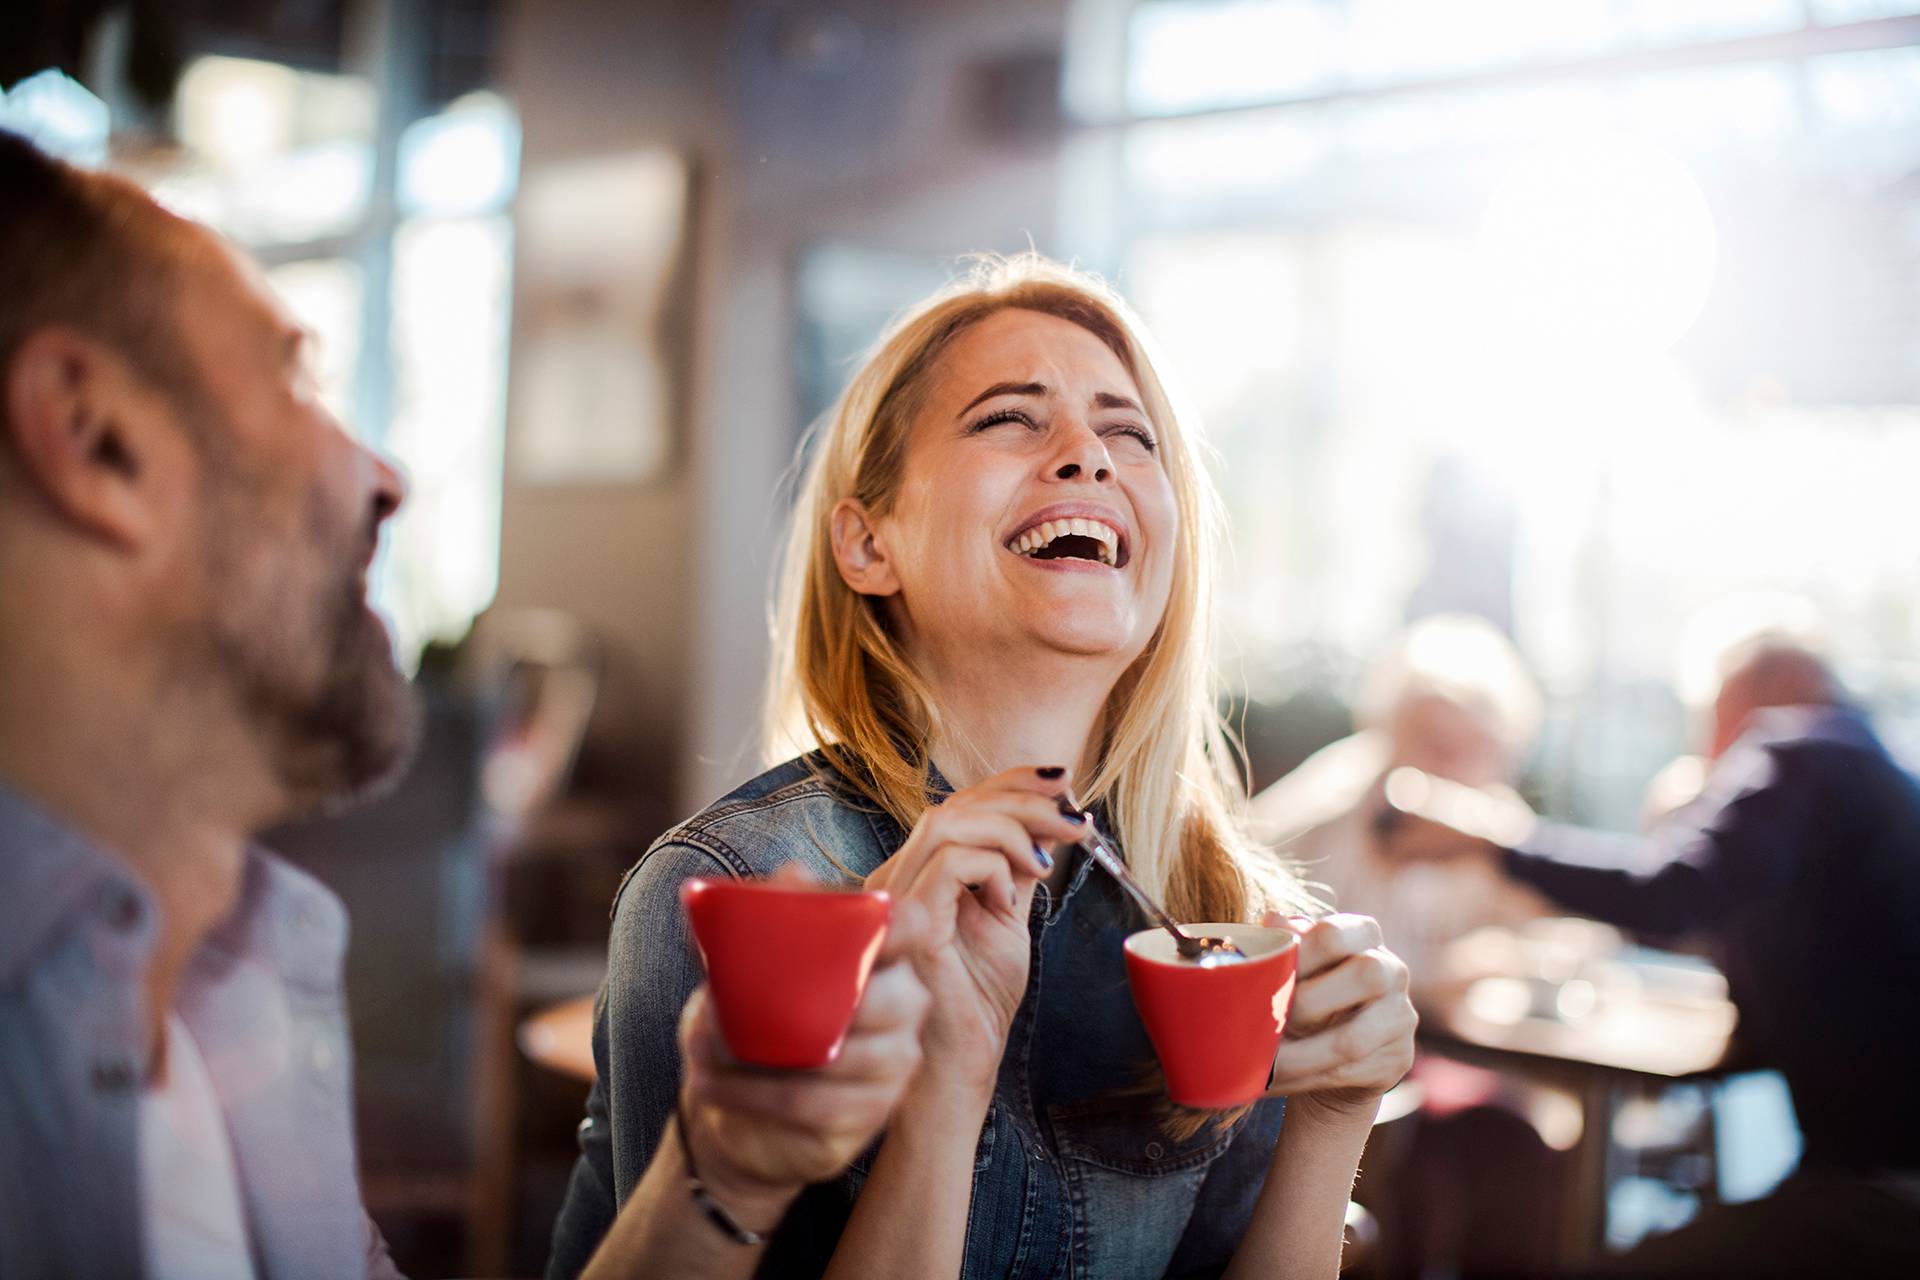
(840, 680)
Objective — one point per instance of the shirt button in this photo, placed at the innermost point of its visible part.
(123, 911)
(114, 1075)
(321, 1055)
(1155, 1151)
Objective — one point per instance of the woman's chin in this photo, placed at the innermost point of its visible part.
(1087, 638)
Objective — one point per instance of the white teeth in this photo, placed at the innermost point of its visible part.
(1047, 530)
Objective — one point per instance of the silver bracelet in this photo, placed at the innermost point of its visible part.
(716, 1212)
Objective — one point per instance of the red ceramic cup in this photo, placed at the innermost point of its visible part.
(786, 963)
(1215, 1030)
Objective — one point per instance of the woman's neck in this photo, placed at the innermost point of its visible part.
(1051, 712)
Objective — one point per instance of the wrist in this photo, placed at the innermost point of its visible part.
(1332, 1112)
(940, 1107)
(755, 1203)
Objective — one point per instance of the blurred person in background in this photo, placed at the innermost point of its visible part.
(1798, 867)
(1450, 697)
(997, 588)
(186, 657)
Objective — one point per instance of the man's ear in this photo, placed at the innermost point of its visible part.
(84, 432)
(856, 549)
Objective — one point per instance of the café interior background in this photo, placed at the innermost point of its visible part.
(1576, 316)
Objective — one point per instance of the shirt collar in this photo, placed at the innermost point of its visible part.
(49, 872)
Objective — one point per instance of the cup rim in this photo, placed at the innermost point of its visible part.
(763, 886)
(1233, 931)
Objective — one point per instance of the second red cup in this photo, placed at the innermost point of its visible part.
(786, 963)
(1215, 1030)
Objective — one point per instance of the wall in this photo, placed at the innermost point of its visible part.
(593, 77)
(882, 140)
(863, 123)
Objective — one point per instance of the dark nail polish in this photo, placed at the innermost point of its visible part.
(1051, 771)
(1068, 812)
(1042, 857)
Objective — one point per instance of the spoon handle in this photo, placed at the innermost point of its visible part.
(1109, 858)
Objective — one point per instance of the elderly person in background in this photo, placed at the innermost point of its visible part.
(1798, 866)
(1452, 698)
(186, 657)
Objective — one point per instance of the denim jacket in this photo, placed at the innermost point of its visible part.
(262, 997)
(1073, 1174)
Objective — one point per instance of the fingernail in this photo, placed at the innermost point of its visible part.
(1051, 771)
(1068, 812)
(1042, 857)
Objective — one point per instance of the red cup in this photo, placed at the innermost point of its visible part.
(786, 963)
(1215, 1029)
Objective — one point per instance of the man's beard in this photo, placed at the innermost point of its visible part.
(334, 733)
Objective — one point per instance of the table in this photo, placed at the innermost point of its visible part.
(560, 1038)
(1570, 1007)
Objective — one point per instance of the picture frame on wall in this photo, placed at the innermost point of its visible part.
(601, 332)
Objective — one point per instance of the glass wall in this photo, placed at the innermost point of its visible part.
(1579, 316)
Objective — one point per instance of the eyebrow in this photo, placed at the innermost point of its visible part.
(1101, 400)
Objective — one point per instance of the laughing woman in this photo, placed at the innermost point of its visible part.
(996, 591)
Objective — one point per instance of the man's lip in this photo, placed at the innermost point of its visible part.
(1081, 510)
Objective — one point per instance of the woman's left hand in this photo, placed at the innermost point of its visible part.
(1349, 1034)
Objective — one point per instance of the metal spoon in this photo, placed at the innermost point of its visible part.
(1205, 951)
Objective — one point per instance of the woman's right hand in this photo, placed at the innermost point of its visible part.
(971, 861)
(767, 1133)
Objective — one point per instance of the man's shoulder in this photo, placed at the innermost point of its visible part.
(1813, 731)
(800, 810)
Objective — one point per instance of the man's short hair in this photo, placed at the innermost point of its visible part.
(86, 250)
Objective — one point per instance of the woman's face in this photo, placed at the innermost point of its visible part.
(1034, 510)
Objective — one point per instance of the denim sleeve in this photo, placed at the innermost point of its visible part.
(652, 968)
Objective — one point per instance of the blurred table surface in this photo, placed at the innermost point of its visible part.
(1569, 993)
(1566, 1003)
(560, 1038)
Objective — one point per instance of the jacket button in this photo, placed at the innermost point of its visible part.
(1155, 1151)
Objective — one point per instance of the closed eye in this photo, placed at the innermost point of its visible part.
(1138, 432)
(999, 416)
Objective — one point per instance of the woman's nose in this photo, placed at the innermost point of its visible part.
(1085, 454)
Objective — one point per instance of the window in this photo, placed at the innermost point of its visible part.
(1484, 311)
(411, 306)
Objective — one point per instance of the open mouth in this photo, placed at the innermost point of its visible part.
(1072, 539)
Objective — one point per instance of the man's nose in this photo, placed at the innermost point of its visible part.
(1084, 453)
(389, 487)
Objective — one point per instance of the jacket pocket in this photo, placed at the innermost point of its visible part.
(1132, 1187)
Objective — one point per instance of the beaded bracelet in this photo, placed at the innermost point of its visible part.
(716, 1212)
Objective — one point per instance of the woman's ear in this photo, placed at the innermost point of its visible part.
(856, 549)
